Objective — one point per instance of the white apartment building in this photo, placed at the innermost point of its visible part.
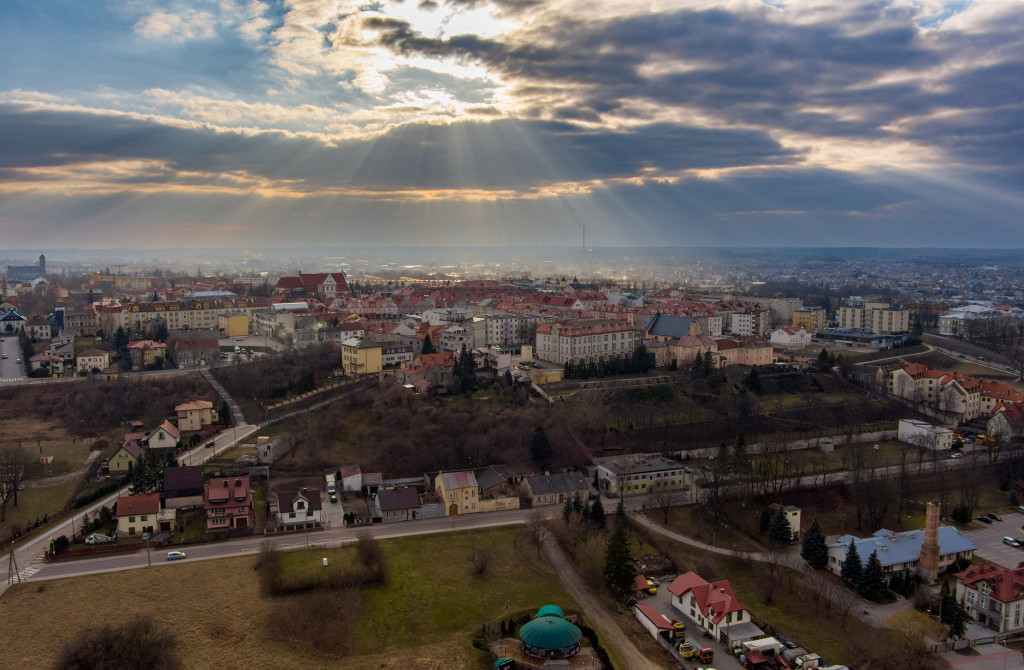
(585, 341)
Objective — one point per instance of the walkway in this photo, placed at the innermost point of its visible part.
(608, 631)
(66, 477)
(236, 412)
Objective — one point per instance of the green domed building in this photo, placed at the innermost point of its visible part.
(550, 635)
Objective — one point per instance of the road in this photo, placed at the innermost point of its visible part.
(10, 369)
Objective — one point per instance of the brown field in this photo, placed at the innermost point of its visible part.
(425, 617)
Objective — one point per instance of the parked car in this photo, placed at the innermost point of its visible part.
(985, 519)
(961, 356)
(1021, 509)
(706, 468)
(687, 470)
(4, 357)
(145, 537)
(1009, 541)
(98, 538)
(1008, 368)
(175, 555)
(956, 454)
(995, 517)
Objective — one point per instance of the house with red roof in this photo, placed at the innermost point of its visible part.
(712, 605)
(993, 596)
(228, 503)
(138, 513)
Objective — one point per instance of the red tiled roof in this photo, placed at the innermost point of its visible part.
(1006, 585)
(144, 503)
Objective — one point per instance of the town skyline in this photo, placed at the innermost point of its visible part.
(511, 123)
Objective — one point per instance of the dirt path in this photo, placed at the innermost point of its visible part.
(67, 477)
(603, 622)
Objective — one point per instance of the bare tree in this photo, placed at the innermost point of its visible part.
(535, 528)
(14, 458)
(666, 498)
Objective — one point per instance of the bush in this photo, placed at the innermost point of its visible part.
(139, 643)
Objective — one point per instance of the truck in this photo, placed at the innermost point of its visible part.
(798, 657)
(332, 487)
(768, 645)
(98, 538)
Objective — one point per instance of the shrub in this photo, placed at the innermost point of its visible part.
(139, 643)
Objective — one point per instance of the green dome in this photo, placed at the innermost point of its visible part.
(550, 633)
(551, 610)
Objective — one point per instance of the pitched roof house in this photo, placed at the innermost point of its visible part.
(713, 605)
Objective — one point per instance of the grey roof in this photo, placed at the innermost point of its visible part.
(634, 465)
(895, 548)
(397, 500)
(670, 326)
(286, 499)
(570, 482)
(488, 478)
(183, 478)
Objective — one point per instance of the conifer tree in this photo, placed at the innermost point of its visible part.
(780, 532)
(871, 583)
(814, 550)
(618, 563)
(852, 566)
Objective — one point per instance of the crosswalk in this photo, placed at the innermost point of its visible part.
(12, 379)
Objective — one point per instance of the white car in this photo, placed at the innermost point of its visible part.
(1009, 541)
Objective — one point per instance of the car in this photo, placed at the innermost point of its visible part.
(956, 454)
(175, 555)
(1021, 509)
(19, 360)
(537, 365)
(961, 356)
(145, 537)
(1008, 368)
(706, 468)
(4, 357)
(2, 339)
(1010, 542)
(984, 519)
(687, 470)
(995, 517)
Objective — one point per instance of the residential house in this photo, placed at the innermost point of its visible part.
(38, 328)
(790, 337)
(126, 458)
(92, 359)
(712, 605)
(993, 596)
(194, 415)
(1007, 421)
(138, 514)
(643, 475)
(163, 438)
(144, 353)
(555, 489)
(298, 509)
(391, 505)
(183, 487)
(54, 365)
(459, 492)
(228, 503)
(751, 351)
(361, 357)
(198, 353)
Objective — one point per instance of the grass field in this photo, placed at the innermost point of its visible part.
(424, 617)
(33, 503)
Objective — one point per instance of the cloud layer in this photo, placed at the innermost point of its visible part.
(514, 121)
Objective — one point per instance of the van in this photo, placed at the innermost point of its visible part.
(237, 350)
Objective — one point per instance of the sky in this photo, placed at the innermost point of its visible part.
(223, 123)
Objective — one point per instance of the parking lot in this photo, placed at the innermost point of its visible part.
(989, 539)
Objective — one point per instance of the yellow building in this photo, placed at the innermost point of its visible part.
(811, 319)
(125, 458)
(138, 514)
(361, 357)
(194, 414)
(233, 325)
(459, 492)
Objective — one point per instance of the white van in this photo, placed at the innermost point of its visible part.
(238, 350)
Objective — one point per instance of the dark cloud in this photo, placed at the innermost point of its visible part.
(501, 154)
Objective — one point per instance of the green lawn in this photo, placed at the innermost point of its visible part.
(34, 502)
(432, 590)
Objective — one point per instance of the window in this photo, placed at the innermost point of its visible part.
(145, 517)
(131, 519)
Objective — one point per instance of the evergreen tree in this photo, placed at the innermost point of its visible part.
(871, 583)
(143, 478)
(709, 364)
(852, 566)
(823, 362)
(567, 511)
(780, 532)
(597, 513)
(428, 346)
(618, 563)
(814, 550)
(540, 448)
(577, 506)
(620, 510)
(956, 616)
(465, 371)
(754, 382)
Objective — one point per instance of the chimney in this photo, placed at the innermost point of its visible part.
(928, 561)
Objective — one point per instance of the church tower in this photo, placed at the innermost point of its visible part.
(42, 265)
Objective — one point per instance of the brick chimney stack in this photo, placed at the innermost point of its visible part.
(928, 561)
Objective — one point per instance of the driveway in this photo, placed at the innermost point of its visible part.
(989, 540)
(662, 601)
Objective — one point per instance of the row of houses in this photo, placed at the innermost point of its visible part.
(963, 397)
